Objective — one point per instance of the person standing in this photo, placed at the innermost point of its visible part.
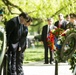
(14, 30)
(44, 34)
(72, 22)
(61, 23)
(22, 42)
(67, 17)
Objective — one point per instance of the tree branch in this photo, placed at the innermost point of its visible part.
(9, 5)
(62, 9)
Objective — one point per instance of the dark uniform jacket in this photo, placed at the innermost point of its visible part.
(63, 26)
(22, 41)
(13, 30)
(44, 34)
(70, 25)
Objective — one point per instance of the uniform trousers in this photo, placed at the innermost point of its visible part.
(46, 54)
(15, 61)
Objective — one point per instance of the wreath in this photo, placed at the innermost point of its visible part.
(65, 44)
(72, 61)
(67, 41)
(2, 44)
(54, 33)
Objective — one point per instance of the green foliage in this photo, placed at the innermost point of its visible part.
(72, 61)
(39, 9)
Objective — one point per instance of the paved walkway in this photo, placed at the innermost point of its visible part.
(38, 68)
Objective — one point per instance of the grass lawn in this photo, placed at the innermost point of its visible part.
(33, 54)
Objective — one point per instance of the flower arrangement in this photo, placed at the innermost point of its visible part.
(72, 61)
(57, 32)
(60, 40)
(56, 37)
(51, 37)
(50, 40)
(61, 36)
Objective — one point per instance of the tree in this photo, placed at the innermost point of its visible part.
(39, 10)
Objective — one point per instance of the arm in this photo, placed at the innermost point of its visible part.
(9, 29)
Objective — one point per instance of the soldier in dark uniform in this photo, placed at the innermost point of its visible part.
(20, 54)
(14, 30)
(71, 24)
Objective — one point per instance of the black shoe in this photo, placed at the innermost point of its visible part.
(45, 63)
(51, 62)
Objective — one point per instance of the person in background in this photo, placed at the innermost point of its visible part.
(72, 23)
(75, 21)
(45, 31)
(67, 17)
(20, 54)
(61, 23)
(14, 30)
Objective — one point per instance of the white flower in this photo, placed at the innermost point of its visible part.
(58, 42)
